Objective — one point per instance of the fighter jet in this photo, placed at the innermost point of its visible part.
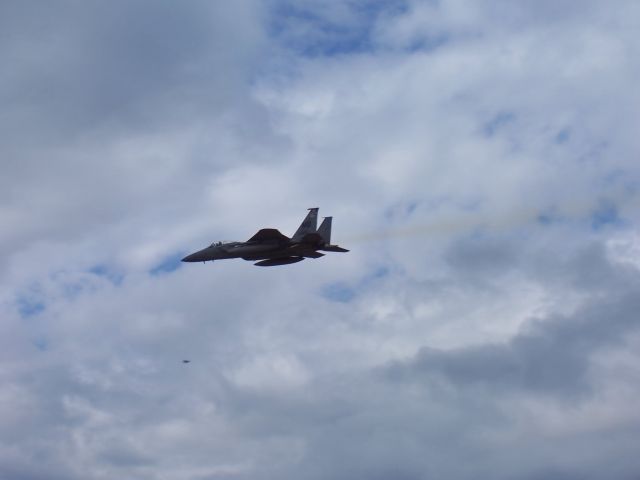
(271, 247)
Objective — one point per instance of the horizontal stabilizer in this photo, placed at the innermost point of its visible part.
(333, 248)
(272, 262)
(269, 235)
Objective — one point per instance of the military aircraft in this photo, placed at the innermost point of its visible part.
(271, 247)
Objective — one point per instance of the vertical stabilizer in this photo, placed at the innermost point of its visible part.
(308, 225)
(325, 230)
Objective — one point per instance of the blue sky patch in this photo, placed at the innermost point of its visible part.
(563, 136)
(106, 272)
(401, 210)
(379, 272)
(548, 216)
(309, 31)
(497, 123)
(427, 43)
(545, 219)
(41, 344)
(338, 292)
(28, 306)
(606, 214)
(344, 293)
(168, 265)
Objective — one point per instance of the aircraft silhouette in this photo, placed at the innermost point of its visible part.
(271, 247)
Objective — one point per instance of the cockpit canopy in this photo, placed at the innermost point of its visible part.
(219, 243)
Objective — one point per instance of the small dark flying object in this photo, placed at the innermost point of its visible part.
(271, 247)
(186, 361)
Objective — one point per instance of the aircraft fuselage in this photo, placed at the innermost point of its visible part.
(271, 247)
(233, 250)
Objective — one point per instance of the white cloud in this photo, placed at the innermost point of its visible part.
(480, 163)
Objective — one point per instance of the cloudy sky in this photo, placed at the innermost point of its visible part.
(481, 162)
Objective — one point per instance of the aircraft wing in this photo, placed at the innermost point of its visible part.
(268, 235)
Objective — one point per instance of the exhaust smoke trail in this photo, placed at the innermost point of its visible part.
(469, 221)
(443, 227)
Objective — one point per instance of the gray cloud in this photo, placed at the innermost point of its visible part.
(552, 357)
(124, 97)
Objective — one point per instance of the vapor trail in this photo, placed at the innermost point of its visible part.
(469, 221)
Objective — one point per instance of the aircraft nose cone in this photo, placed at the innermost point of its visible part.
(203, 255)
(191, 258)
